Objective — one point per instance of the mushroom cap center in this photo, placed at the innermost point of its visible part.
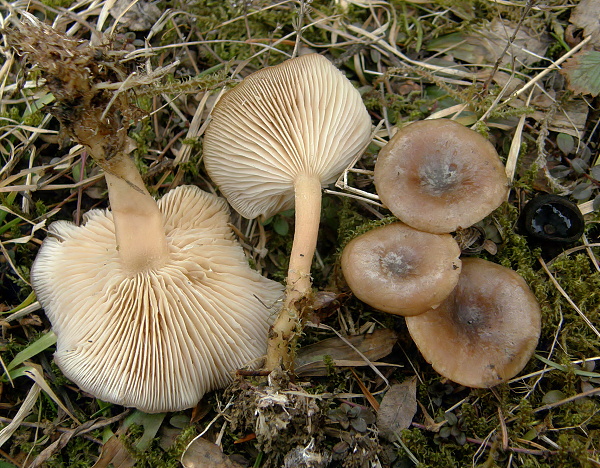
(395, 263)
(438, 177)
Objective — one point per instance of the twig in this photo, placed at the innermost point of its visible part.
(509, 43)
(552, 67)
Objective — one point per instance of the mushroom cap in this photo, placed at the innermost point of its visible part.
(438, 176)
(485, 331)
(400, 270)
(301, 117)
(160, 339)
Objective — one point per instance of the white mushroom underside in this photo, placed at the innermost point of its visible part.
(158, 340)
(300, 117)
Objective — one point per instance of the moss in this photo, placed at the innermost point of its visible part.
(363, 228)
(57, 3)
(399, 108)
(475, 424)
(572, 451)
(431, 455)
(74, 455)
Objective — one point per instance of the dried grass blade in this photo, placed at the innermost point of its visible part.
(515, 147)
(368, 395)
(23, 412)
(34, 374)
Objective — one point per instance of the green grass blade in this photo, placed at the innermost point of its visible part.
(560, 367)
(34, 348)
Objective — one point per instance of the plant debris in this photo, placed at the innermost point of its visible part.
(523, 74)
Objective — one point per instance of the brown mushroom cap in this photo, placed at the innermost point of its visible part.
(400, 270)
(160, 338)
(485, 331)
(438, 176)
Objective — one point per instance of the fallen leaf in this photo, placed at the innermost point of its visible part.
(571, 119)
(201, 453)
(583, 72)
(310, 360)
(484, 45)
(585, 16)
(397, 409)
(430, 424)
(115, 453)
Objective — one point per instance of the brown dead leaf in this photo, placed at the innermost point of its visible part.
(310, 359)
(430, 424)
(486, 44)
(368, 395)
(571, 119)
(397, 409)
(585, 16)
(201, 453)
(115, 453)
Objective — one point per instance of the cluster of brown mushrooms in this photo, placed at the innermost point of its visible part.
(476, 322)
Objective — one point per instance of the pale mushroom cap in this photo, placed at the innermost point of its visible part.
(438, 176)
(160, 339)
(400, 270)
(302, 117)
(485, 331)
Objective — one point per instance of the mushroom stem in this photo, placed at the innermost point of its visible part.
(139, 226)
(307, 193)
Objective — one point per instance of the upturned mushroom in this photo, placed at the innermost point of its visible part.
(273, 142)
(153, 304)
(400, 270)
(438, 176)
(485, 331)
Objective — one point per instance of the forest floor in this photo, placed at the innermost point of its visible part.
(525, 74)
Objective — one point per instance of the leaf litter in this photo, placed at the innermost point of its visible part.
(389, 49)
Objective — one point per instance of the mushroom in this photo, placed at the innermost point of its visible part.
(485, 331)
(438, 176)
(400, 270)
(153, 304)
(273, 142)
